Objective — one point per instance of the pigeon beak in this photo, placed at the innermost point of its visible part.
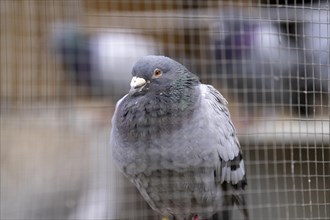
(137, 84)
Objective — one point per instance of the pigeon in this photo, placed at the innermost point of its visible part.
(173, 138)
(100, 61)
(274, 63)
(258, 61)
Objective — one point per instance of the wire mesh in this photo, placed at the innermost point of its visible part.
(64, 64)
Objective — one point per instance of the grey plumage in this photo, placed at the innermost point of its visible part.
(258, 61)
(100, 61)
(173, 138)
(279, 62)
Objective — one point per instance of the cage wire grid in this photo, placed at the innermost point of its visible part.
(64, 64)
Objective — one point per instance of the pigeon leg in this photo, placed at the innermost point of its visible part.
(195, 217)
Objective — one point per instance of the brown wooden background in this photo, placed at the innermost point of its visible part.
(30, 72)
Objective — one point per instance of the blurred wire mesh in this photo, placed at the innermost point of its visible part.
(65, 63)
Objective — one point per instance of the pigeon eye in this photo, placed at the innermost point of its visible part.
(157, 73)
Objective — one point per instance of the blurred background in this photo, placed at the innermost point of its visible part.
(64, 64)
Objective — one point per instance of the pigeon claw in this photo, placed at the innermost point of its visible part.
(195, 217)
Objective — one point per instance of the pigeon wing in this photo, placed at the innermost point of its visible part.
(230, 171)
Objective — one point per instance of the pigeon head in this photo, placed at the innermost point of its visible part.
(163, 93)
(158, 74)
